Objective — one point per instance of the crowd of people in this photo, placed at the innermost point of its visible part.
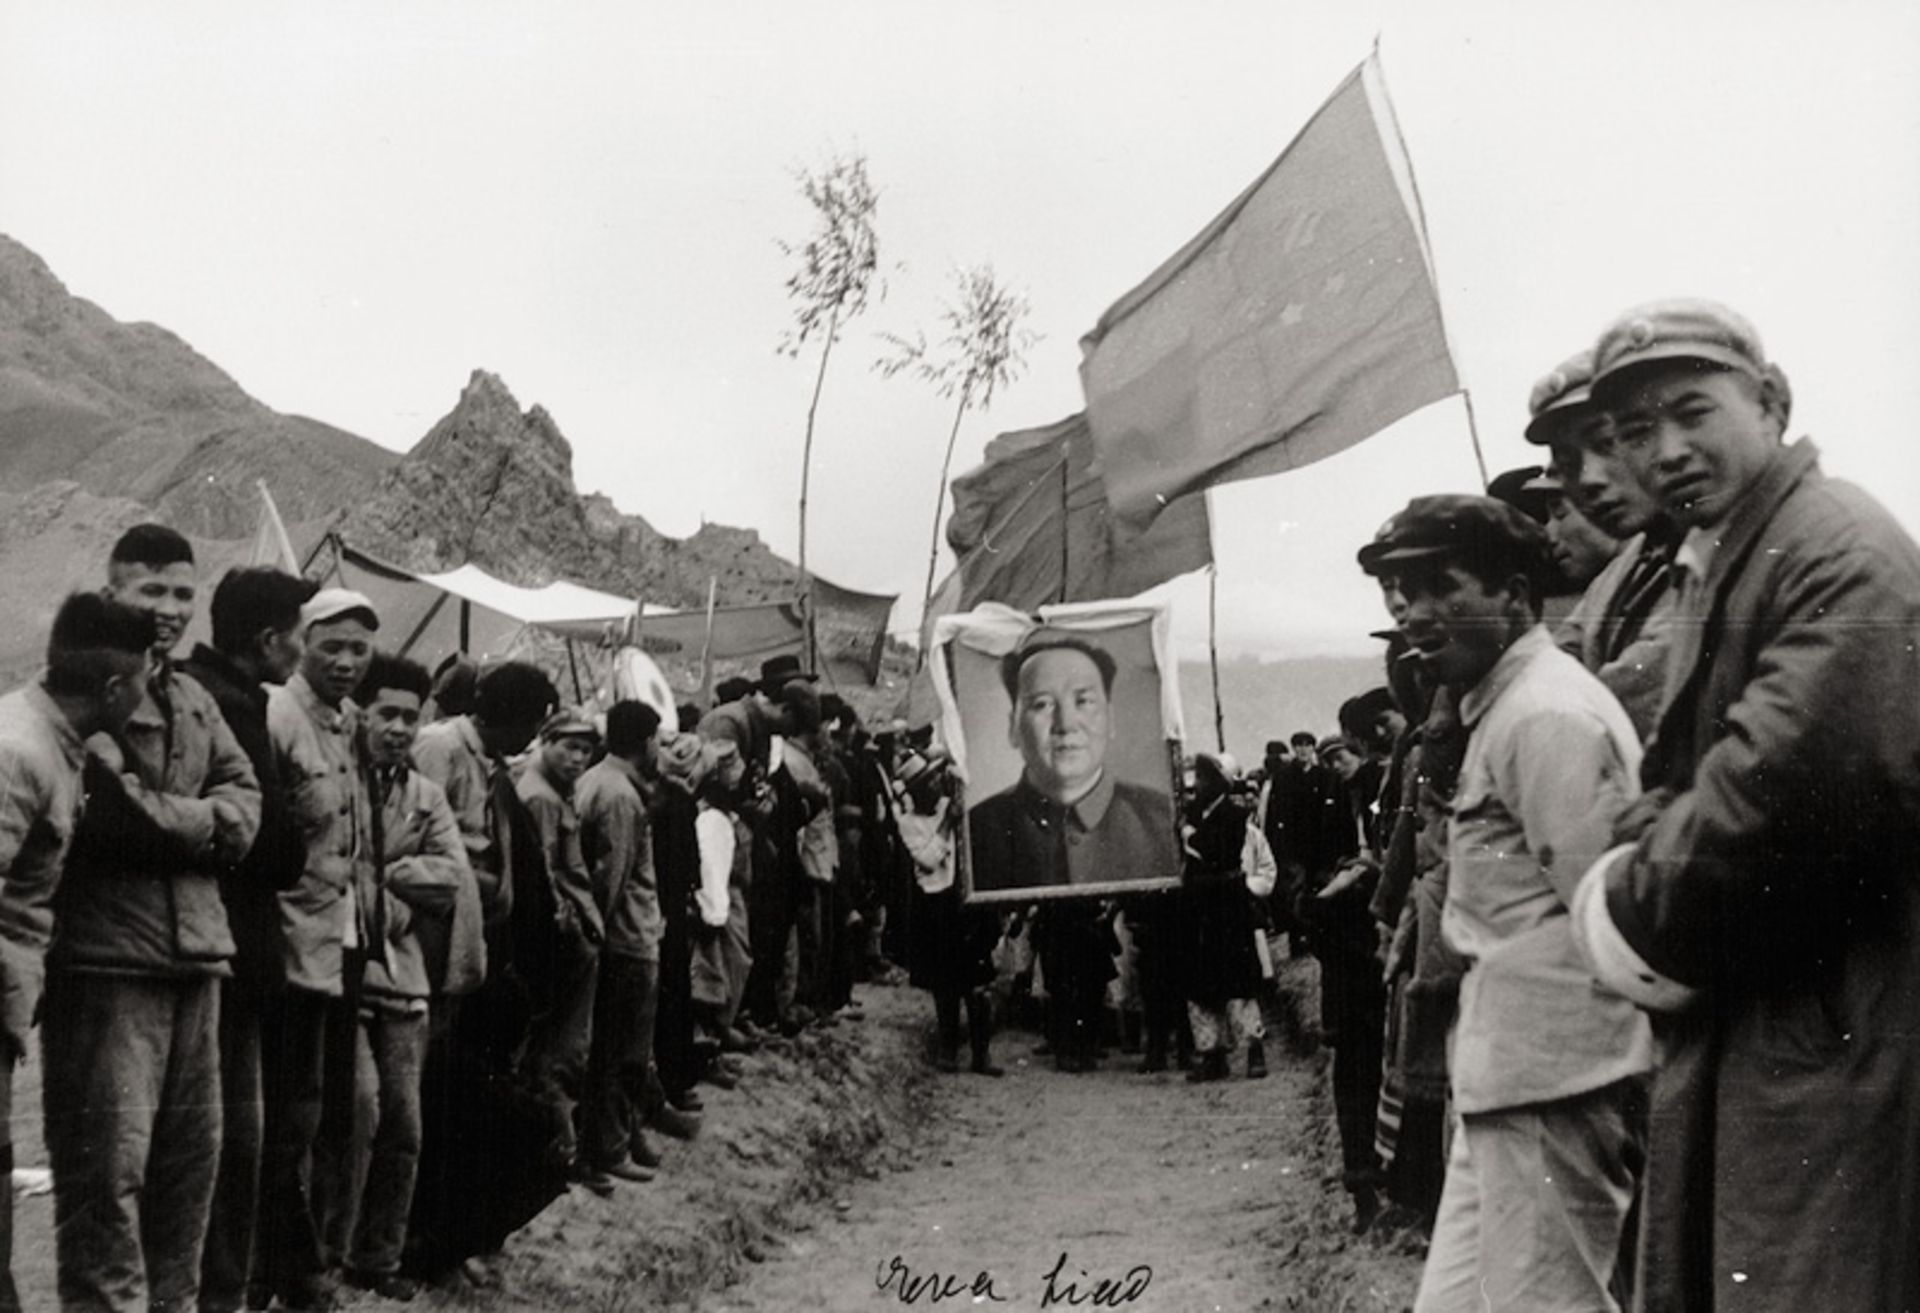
(1613, 883)
(342, 969)
(1639, 806)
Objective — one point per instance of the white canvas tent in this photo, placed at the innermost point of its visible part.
(431, 616)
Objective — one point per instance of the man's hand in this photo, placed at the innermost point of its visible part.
(230, 841)
(1637, 819)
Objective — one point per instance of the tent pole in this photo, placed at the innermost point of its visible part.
(426, 620)
(466, 626)
(706, 644)
(573, 669)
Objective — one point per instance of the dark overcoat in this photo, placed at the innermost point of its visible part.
(1782, 880)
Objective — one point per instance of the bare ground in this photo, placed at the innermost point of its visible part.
(845, 1174)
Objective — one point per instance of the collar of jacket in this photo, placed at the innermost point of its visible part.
(220, 665)
(1088, 811)
(333, 719)
(71, 744)
(1784, 472)
(1479, 699)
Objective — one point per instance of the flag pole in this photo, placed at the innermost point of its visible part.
(1426, 249)
(1473, 432)
(1213, 653)
(1066, 529)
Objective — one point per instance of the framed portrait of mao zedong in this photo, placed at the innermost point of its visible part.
(1065, 731)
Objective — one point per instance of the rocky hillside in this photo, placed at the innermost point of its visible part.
(131, 411)
(493, 485)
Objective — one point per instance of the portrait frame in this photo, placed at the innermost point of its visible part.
(1132, 841)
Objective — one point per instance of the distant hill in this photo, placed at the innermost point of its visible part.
(104, 424)
(130, 410)
(1271, 699)
(493, 485)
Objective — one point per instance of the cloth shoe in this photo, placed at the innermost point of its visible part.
(387, 1285)
(642, 1150)
(592, 1178)
(669, 1120)
(720, 1078)
(627, 1169)
(687, 1100)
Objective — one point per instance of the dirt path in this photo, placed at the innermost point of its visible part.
(1110, 1190)
(844, 1174)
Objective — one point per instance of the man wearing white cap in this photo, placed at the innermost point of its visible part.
(328, 927)
(1767, 908)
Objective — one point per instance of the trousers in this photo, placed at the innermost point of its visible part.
(1534, 1205)
(363, 1219)
(132, 1102)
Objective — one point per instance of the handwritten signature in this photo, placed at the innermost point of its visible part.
(1057, 1290)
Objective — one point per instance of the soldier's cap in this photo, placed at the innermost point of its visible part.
(569, 722)
(331, 604)
(1519, 489)
(1681, 329)
(1475, 531)
(1566, 393)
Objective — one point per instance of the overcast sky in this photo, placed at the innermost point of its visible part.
(349, 207)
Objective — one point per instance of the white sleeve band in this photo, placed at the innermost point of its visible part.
(1615, 963)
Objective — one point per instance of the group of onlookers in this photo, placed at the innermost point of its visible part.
(343, 970)
(1639, 818)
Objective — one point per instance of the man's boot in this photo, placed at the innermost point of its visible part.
(1208, 1066)
(980, 1033)
(1256, 1060)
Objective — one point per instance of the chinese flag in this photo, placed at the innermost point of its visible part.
(1301, 321)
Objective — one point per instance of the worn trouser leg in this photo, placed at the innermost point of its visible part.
(1356, 1104)
(946, 1016)
(1535, 1201)
(1243, 1014)
(133, 1133)
(809, 966)
(185, 1154)
(770, 923)
(287, 1254)
(603, 1109)
(391, 1055)
(673, 1033)
(9, 1293)
(786, 990)
(1211, 1029)
(645, 1090)
(340, 1151)
(739, 958)
(556, 1061)
(236, 1193)
(980, 1025)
